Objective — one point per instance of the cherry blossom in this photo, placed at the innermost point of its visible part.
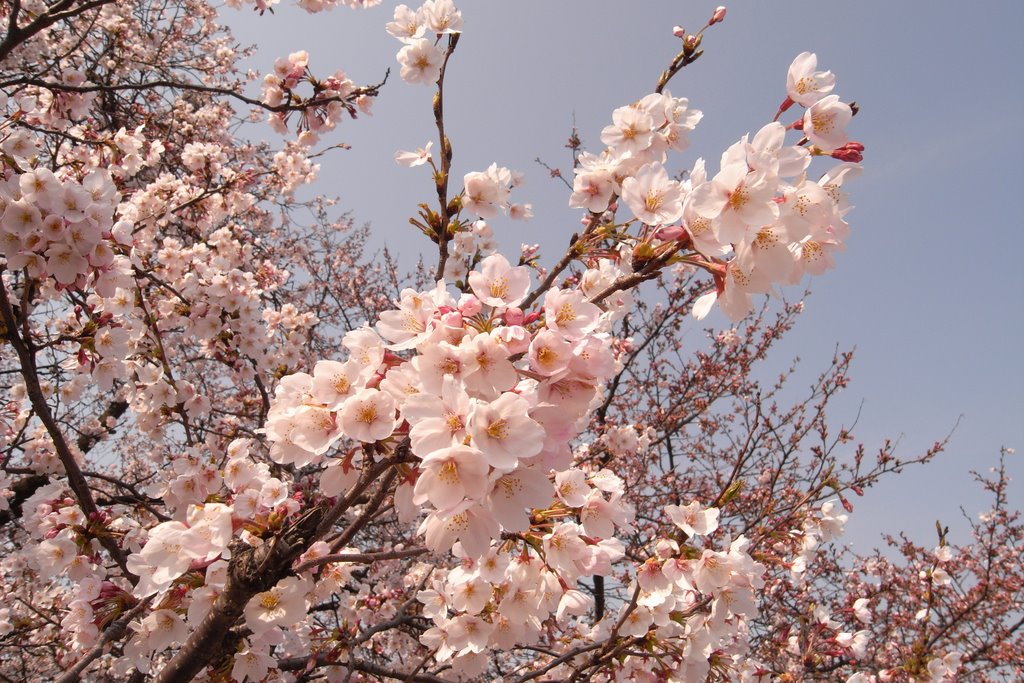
(825, 122)
(652, 197)
(804, 85)
(421, 62)
(417, 158)
(239, 446)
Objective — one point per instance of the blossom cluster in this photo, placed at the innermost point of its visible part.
(497, 477)
(760, 220)
(420, 57)
(320, 112)
(488, 404)
(484, 194)
(55, 227)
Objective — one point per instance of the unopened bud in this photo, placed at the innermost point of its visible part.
(851, 151)
(669, 232)
(718, 17)
(514, 316)
(453, 319)
(108, 589)
(469, 305)
(679, 31)
(690, 43)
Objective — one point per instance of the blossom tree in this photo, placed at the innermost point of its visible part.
(213, 469)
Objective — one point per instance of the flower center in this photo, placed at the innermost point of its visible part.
(498, 429)
(454, 422)
(499, 288)
(449, 473)
(367, 413)
(822, 123)
(545, 356)
(738, 198)
(653, 200)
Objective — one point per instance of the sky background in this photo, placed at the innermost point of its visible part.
(929, 291)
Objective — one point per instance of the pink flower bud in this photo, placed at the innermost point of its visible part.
(514, 316)
(109, 590)
(453, 319)
(679, 31)
(669, 232)
(851, 151)
(718, 17)
(469, 305)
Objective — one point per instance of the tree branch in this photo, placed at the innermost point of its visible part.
(76, 480)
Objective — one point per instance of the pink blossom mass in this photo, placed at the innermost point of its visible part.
(241, 443)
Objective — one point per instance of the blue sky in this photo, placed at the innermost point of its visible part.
(930, 288)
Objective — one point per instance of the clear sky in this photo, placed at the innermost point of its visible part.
(930, 289)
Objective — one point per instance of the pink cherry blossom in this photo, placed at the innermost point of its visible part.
(450, 476)
(417, 158)
(369, 415)
(499, 284)
(652, 197)
(825, 122)
(421, 62)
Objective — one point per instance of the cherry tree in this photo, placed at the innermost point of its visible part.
(214, 469)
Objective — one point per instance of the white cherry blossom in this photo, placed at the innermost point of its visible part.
(804, 85)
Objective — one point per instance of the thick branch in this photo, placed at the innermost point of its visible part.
(16, 35)
(76, 480)
(253, 570)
